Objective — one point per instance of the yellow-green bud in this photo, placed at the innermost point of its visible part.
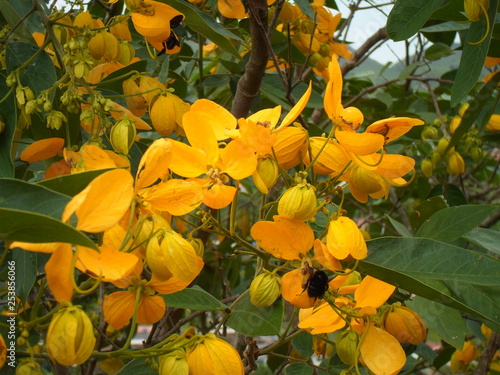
(55, 119)
(174, 363)
(476, 153)
(442, 145)
(265, 174)
(299, 202)
(122, 135)
(198, 246)
(265, 289)
(456, 164)
(427, 167)
(429, 132)
(474, 9)
(29, 367)
(31, 107)
(347, 347)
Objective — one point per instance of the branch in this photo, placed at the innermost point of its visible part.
(483, 364)
(249, 84)
(358, 56)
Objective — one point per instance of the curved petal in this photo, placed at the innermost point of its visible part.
(43, 149)
(360, 143)
(219, 196)
(238, 161)
(333, 91)
(322, 320)
(293, 291)
(395, 166)
(220, 119)
(188, 161)
(177, 197)
(394, 127)
(151, 309)
(344, 238)
(118, 308)
(154, 163)
(59, 271)
(372, 292)
(297, 108)
(173, 284)
(199, 130)
(268, 117)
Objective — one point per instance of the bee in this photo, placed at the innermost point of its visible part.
(172, 40)
(317, 283)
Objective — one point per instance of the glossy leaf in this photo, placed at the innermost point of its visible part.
(425, 210)
(194, 298)
(256, 321)
(443, 320)
(451, 223)
(71, 184)
(407, 17)
(473, 56)
(488, 239)
(206, 26)
(438, 51)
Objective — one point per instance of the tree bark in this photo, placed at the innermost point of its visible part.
(249, 84)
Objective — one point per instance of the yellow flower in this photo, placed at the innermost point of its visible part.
(405, 325)
(214, 356)
(174, 363)
(456, 164)
(460, 359)
(493, 124)
(70, 337)
(266, 174)
(345, 239)
(43, 149)
(299, 202)
(166, 113)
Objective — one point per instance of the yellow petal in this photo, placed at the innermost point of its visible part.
(225, 358)
(238, 161)
(109, 263)
(43, 149)
(297, 108)
(344, 238)
(118, 308)
(293, 291)
(219, 196)
(323, 320)
(268, 117)
(59, 270)
(220, 120)
(47, 247)
(188, 161)
(200, 133)
(177, 197)
(95, 158)
(360, 143)
(173, 284)
(151, 309)
(232, 9)
(285, 238)
(373, 292)
(154, 163)
(395, 166)
(103, 202)
(118, 112)
(394, 127)
(333, 92)
(381, 352)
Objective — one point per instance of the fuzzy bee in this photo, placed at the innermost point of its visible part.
(316, 284)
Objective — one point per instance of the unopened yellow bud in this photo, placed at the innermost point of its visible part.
(265, 289)
(455, 123)
(70, 338)
(474, 9)
(347, 347)
(198, 246)
(122, 135)
(126, 53)
(493, 124)
(442, 145)
(29, 367)
(456, 164)
(174, 363)
(299, 202)
(265, 174)
(405, 325)
(427, 167)
(460, 359)
(463, 108)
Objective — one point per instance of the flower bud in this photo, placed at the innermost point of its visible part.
(463, 108)
(456, 164)
(265, 289)
(126, 53)
(122, 135)
(455, 123)
(198, 246)
(427, 167)
(474, 9)
(476, 153)
(290, 146)
(174, 363)
(55, 119)
(70, 338)
(493, 124)
(29, 367)
(442, 145)
(347, 347)
(352, 117)
(430, 132)
(265, 174)
(405, 325)
(460, 359)
(299, 202)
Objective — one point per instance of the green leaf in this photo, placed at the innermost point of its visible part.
(299, 368)
(488, 239)
(194, 298)
(31, 213)
(456, 277)
(71, 184)
(206, 26)
(13, 19)
(425, 210)
(26, 267)
(402, 230)
(451, 223)
(443, 320)
(137, 367)
(446, 26)
(303, 344)
(250, 320)
(408, 16)
(114, 82)
(473, 56)
(438, 51)
(8, 114)
(40, 74)
(305, 7)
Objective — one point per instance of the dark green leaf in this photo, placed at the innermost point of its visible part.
(438, 51)
(305, 7)
(71, 184)
(303, 344)
(249, 320)
(8, 114)
(451, 223)
(206, 26)
(299, 368)
(425, 210)
(114, 81)
(26, 267)
(13, 19)
(443, 320)
(194, 298)
(473, 56)
(402, 230)
(137, 367)
(488, 239)
(408, 16)
(446, 26)
(40, 74)
(216, 80)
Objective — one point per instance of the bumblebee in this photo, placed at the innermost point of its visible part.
(172, 40)
(317, 283)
